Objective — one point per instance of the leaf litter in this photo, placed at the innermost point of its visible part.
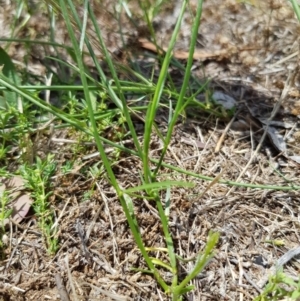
(247, 51)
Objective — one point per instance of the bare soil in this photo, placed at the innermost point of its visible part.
(251, 54)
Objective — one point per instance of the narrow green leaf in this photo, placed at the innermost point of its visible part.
(9, 70)
(159, 262)
(8, 67)
(159, 186)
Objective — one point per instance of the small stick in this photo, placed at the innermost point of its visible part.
(61, 288)
(220, 142)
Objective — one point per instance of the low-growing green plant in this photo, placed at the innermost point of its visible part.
(38, 180)
(67, 167)
(280, 287)
(4, 213)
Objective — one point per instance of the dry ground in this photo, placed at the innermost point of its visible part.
(248, 51)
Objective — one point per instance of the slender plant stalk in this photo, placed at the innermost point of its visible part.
(94, 129)
(296, 8)
(151, 112)
(117, 82)
(187, 75)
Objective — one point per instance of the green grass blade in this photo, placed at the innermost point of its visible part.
(296, 8)
(128, 208)
(158, 186)
(86, 91)
(4, 81)
(154, 103)
(9, 70)
(119, 89)
(187, 75)
(202, 261)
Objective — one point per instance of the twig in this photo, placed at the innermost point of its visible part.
(61, 288)
(70, 279)
(241, 270)
(218, 146)
(182, 55)
(112, 296)
(81, 234)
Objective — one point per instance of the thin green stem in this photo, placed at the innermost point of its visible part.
(296, 8)
(187, 75)
(117, 82)
(81, 67)
(151, 112)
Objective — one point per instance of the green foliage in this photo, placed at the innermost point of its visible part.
(8, 69)
(150, 185)
(296, 8)
(90, 115)
(38, 181)
(67, 167)
(4, 213)
(279, 287)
